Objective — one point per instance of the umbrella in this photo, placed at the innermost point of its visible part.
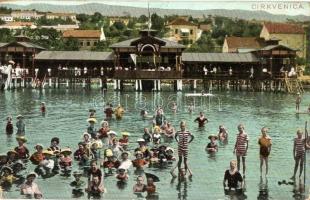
(154, 177)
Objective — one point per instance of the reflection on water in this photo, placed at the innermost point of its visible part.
(67, 111)
(263, 192)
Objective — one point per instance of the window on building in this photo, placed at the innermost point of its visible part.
(81, 44)
(191, 31)
(88, 43)
(190, 41)
(176, 31)
(95, 43)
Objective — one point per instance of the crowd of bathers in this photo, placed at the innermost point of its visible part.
(104, 153)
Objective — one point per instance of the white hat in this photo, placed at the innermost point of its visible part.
(112, 132)
(140, 140)
(12, 62)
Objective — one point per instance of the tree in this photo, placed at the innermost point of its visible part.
(119, 25)
(142, 19)
(2, 22)
(102, 46)
(158, 22)
(71, 44)
(82, 18)
(6, 35)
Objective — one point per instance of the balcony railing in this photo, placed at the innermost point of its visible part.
(150, 75)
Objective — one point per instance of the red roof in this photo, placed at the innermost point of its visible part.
(180, 21)
(82, 33)
(244, 42)
(284, 28)
(17, 23)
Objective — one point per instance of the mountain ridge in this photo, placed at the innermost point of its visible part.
(116, 10)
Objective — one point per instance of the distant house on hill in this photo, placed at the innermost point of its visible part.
(18, 25)
(123, 20)
(87, 38)
(183, 30)
(291, 35)
(6, 17)
(242, 44)
(25, 14)
(63, 16)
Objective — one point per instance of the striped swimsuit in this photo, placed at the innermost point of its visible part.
(241, 144)
(183, 143)
(300, 147)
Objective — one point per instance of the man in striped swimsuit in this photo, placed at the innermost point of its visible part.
(182, 137)
(299, 153)
(241, 147)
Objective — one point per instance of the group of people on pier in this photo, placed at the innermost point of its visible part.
(102, 154)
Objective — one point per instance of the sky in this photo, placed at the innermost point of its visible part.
(292, 7)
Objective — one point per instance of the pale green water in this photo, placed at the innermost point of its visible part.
(67, 111)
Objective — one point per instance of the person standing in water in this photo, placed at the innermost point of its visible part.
(43, 108)
(265, 147)
(241, 147)
(9, 126)
(298, 101)
(183, 137)
(299, 153)
(20, 125)
(201, 119)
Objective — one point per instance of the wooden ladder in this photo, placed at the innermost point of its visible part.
(293, 85)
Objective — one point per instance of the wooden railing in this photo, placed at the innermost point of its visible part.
(150, 75)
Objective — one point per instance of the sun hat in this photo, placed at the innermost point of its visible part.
(112, 133)
(7, 168)
(19, 162)
(66, 150)
(12, 62)
(92, 120)
(21, 138)
(140, 140)
(138, 152)
(125, 152)
(169, 149)
(212, 136)
(19, 116)
(103, 122)
(32, 174)
(47, 152)
(109, 153)
(86, 134)
(92, 110)
(12, 152)
(38, 145)
(125, 133)
(3, 156)
(77, 173)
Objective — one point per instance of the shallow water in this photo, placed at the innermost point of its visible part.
(67, 111)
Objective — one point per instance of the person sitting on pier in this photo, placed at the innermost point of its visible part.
(9, 126)
(20, 125)
(201, 120)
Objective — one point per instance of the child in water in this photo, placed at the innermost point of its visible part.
(9, 126)
(43, 108)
